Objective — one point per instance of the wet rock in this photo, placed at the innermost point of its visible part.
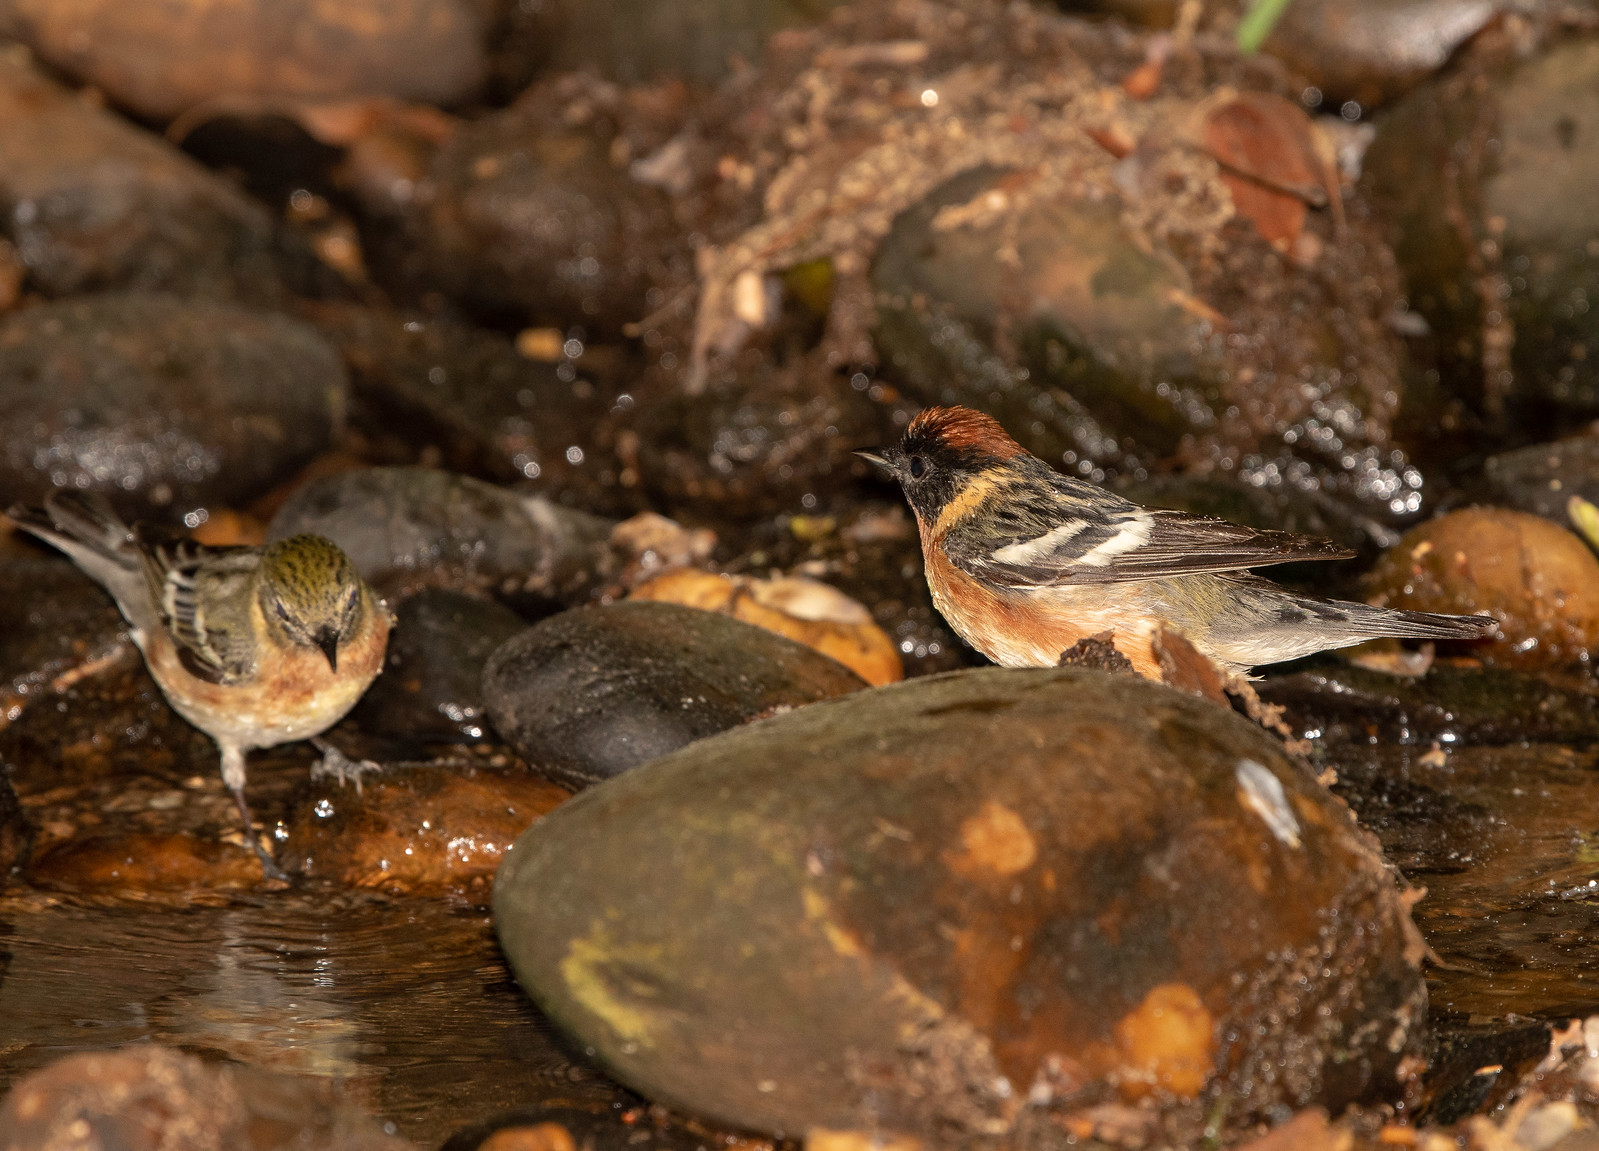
(125, 799)
(530, 216)
(432, 682)
(1489, 706)
(164, 59)
(92, 203)
(1485, 175)
(416, 829)
(1370, 51)
(491, 411)
(636, 40)
(940, 294)
(167, 405)
(142, 1098)
(53, 624)
(1456, 1072)
(940, 905)
(1541, 479)
(110, 721)
(805, 610)
(1103, 354)
(1537, 579)
(1361, 50)
(141, 865)
(760, 444)
(1172, 280)
(413, 527)
(593, 692)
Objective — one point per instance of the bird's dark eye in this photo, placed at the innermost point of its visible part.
(918, 466)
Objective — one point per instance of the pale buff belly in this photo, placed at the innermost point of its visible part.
(294, 694)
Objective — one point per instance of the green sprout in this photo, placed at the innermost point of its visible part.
(1257, 24)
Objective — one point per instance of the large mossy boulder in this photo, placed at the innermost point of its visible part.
(942, 907)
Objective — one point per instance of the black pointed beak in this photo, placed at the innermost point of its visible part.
(328, 641)
(876, 456)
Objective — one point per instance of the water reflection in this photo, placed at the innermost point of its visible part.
(279, 1007)
(409, 1003)
(1503, 838)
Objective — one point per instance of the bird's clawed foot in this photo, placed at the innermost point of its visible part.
(337, 765)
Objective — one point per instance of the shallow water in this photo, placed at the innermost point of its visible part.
(409, 1002)
(1506, 842)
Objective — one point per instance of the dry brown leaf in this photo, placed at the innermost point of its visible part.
(1269, 159)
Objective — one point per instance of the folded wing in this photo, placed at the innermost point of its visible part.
(204, 596)
(1059, 537)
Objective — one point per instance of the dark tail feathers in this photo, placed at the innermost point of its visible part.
(1369, 622)
(1431, 625)
(83, 518)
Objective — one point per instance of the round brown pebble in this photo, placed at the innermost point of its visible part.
(1537, 579)
(538, 1137)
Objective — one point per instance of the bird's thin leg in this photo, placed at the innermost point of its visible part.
(233, 776)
